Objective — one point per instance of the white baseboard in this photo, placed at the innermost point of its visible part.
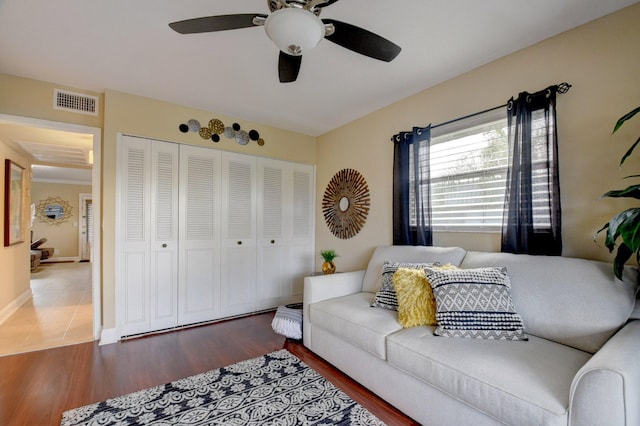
(55, 259)
(13, 306)
(109, 336)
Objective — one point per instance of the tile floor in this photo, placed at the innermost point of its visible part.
(59, 314)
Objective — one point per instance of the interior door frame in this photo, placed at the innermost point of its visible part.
(96, 175)
(82, 228)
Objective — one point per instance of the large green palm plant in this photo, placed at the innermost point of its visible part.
(625, 225)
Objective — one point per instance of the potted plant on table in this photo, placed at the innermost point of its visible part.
(328, 267)
(626, 224)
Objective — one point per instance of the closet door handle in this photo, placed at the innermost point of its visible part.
(164, 245)
(239, 243)
(273, 241)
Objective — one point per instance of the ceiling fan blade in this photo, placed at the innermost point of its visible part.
(288, 67)
(215, 23)
(362, 41)
(328, 3)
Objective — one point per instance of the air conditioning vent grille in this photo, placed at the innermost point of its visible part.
(75, 102)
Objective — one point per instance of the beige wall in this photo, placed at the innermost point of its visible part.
(124, 113)
(14, 260)
(134, 115)
(64, 236)
(601, 60)
(31, 98)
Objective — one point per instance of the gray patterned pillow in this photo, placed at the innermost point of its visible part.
(386, 297)
(475, 303)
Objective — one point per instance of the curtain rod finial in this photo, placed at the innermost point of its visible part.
(564, 87)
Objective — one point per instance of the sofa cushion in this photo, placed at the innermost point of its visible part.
(518, 383)
(575, 302)
(415, 254)
(386, 297)
(352, 319)
(475, 303)
(416, 304)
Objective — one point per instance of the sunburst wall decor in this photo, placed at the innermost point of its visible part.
(346, 203)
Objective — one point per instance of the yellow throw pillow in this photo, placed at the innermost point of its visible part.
(416, 303)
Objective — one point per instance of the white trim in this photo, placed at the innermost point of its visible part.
(14, 305)
(63, 181)
(96, 185)
(61, 259)
(119, 311)
(82, 244)
(109, 336)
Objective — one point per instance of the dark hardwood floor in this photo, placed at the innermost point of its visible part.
(36, 387)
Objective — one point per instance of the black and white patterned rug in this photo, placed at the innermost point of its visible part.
(274, 389)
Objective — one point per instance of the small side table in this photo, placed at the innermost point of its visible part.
(288, 321)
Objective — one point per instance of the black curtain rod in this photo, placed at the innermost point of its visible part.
(435, 126)
(561, 88)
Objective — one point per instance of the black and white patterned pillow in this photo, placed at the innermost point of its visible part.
(386, 297)
(475, 303)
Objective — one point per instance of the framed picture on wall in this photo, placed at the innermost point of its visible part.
(13, 199)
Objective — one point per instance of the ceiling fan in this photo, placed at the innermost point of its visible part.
(295, 27)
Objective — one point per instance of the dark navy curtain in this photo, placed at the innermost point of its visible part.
(532, 213)
(411, 188)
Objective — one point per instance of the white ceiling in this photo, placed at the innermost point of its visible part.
(127, 46)
(58, 156)
(64, 175)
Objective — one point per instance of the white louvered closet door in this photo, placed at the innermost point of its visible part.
(164, 235)
(200, 199)
(238, 254)
(132, 282)
(147, 260)
(204, 234)
(285, 231)
(273, 280)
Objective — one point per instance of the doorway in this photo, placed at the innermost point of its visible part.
(93, 222)
(59, 312)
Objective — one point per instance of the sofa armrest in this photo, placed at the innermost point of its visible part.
(606, 390)
(323, 287)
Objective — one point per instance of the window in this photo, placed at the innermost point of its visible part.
(541, 159)
(469, 165)
(469, 162)
(494, 171)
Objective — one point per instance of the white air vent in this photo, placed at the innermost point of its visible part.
(75, 102)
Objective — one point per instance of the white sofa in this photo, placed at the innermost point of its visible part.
(580, 366)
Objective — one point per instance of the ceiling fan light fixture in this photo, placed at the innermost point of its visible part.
(294, 30)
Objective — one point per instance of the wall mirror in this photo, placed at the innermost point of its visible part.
(53, 210)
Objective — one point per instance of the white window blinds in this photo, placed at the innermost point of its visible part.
(468, 173)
